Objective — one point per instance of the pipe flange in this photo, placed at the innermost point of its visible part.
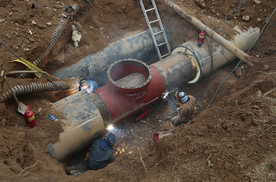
(126, 67)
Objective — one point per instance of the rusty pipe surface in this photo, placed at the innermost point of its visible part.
(174, 67)
(139, 46)
(116, 101)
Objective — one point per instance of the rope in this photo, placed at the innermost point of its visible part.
(227, 77)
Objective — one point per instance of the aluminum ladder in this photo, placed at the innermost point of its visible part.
(161, 31)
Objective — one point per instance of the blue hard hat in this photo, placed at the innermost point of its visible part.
(111, 139)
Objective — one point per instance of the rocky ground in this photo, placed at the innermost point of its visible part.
(233, 140)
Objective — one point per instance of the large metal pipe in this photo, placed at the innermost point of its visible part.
(206, 61)
(84, 124)
(120, 99)
(139, 46)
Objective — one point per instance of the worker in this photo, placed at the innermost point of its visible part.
(99, 156)
(186, 108)
(88, 85)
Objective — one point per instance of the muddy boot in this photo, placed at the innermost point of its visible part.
(77, 169)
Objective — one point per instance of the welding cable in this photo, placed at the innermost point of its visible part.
(226, 78)
(33, 88)
(236, 10)
(264, 28)
(42, 73)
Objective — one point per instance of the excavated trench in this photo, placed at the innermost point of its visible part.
(133, 86)
(219, 131)
(188, 63)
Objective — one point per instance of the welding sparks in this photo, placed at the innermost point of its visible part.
(165, 97)
(110, 127)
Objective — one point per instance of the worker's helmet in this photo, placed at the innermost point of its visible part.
(181, 97)
(111, 139)
(181, 94)
(88, 85)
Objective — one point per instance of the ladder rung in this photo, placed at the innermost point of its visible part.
(150, 9)
(158, 32)
(165, 55)
(154, 21)
(161, 44)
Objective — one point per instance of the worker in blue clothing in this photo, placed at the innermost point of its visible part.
(88, 85)
(101, 152)
(99, 156)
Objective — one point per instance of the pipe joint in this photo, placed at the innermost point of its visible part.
(130, 77)
(191, 57)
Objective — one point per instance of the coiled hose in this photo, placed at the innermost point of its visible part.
(34, 87)
(55, 36)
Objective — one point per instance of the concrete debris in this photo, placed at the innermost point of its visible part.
(16, 47)
(258, 93)
(259, 19)
(257, 1)
(239, 72)
(213, 11)
(266, 67)
(33, 22)
(26, 49)
(89, 1)
(70, 9)
(1, 20)
(8, 36)
(246, 18)
(201, 3)
(76, 36)
(49, 23)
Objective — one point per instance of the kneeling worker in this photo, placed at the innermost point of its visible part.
(186, 108)
(100, 156)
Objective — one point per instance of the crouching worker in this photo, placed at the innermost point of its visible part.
(88, 85)
(100, 155)
(186, 108)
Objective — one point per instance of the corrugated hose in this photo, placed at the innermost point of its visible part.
(34, 87)
(55, 36)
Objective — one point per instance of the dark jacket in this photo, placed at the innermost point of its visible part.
(100, 154)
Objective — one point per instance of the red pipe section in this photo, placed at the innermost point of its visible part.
(144, 114)
(122, 101)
